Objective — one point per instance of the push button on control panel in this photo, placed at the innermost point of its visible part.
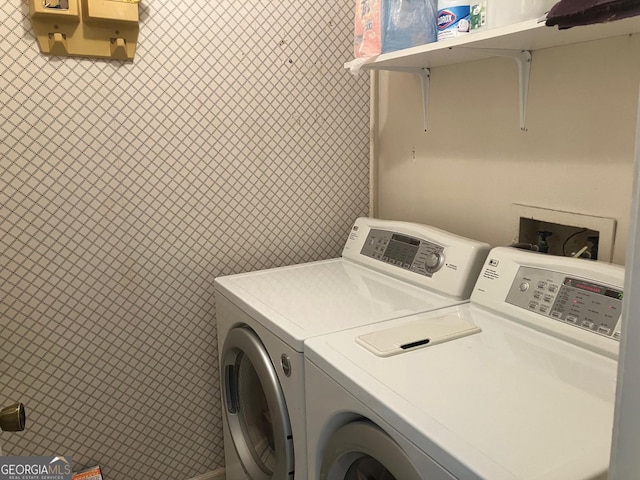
(571, 318)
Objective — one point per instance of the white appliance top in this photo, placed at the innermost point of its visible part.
(303, 301)
(509, 402)
(388, 270)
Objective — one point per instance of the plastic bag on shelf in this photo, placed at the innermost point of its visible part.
(408, 23)
(383, 26)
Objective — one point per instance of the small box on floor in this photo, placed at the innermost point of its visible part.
(93, 473)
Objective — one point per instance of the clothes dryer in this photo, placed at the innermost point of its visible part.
(519, 383)
(387, 270)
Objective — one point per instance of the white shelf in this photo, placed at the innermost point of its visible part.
(529, 35)
(516, 41)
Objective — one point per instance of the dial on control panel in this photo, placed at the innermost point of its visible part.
(434, 261)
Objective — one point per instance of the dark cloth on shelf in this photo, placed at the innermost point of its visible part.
(572, 13)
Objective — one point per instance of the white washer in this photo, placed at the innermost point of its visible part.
(517, 384)
(387, 270)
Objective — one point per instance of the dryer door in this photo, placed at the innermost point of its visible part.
(361, 450)
(255, 408)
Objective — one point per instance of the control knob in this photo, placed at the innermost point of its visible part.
(434, 261)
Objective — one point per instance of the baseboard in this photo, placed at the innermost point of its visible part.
(214, 475)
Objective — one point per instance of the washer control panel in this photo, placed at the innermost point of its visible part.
(568, 299)
(404, 251)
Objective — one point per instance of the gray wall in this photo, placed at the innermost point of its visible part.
(234, 141)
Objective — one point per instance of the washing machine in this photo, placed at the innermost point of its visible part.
(519, 383)
(387, 270)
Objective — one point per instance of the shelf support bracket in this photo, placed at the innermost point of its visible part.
(425, 76)
(523, 61)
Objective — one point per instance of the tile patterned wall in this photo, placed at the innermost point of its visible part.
(234, 141)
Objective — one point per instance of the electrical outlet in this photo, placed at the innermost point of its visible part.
(565, 233)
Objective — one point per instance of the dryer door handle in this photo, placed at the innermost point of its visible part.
(231, 390)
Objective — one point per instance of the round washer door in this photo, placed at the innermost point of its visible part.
(360, 450)
(255, 408)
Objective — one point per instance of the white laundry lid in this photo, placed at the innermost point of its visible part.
(416, 334)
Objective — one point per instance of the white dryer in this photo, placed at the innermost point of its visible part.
(517, 384)
(387, 270)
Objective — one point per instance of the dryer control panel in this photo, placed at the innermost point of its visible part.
(425, 256)
(576, 301)
(404, 251)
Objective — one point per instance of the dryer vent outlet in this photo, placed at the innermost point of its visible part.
(565, 234)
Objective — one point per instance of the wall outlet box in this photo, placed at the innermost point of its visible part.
(565, 233)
